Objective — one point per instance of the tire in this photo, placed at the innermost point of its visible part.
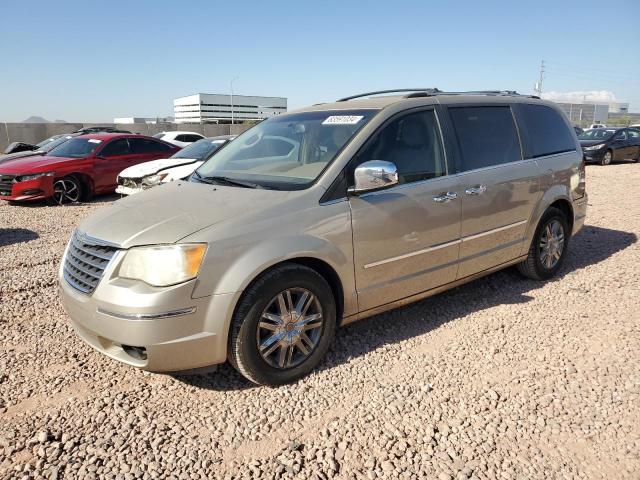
(607, 158)
(262, 305)
(537, 266)
(67, 190)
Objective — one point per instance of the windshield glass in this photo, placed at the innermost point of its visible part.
(596, 134)
(287, 152)
(76, 148)
(201, 149)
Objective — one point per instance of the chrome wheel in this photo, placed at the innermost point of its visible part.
(551, 244)
(65, 190)
(290, 328)
(606, 160)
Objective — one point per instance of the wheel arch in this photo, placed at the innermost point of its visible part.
(558, 197)
(86, 180)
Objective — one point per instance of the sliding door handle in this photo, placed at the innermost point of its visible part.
(476, 190)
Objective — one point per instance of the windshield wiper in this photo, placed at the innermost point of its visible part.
(229, 181)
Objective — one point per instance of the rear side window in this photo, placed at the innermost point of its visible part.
(146, 145)
(546, 131)
(487, 136)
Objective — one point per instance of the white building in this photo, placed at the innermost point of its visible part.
(215, 108)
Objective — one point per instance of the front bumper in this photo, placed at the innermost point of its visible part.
(105, 319)
(36, 189)
(593, 156)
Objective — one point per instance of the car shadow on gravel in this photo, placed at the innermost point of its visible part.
(107, 198)
(591, 246)
(10, 236)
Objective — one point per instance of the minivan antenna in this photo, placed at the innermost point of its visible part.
(538, 86)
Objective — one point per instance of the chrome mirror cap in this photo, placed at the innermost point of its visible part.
(374, 175)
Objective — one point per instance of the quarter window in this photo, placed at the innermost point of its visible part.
(546, 132)
(412, 143)
(487, 136)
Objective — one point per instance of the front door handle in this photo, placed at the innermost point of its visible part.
(477, 190)
(445, 197)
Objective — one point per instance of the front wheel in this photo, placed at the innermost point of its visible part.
(548, 248)
(282, 326)
(606, 158)
(66, 190)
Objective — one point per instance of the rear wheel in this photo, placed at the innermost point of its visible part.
(66, 190)
(548, 248)
(606, 158)
(283, 325)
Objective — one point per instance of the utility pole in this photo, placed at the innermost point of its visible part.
(232, 80)
(538, 86)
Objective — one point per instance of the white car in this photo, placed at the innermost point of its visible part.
(597, 125)
(179, 138)
(140, 177)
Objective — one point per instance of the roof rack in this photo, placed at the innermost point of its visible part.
(428, 92)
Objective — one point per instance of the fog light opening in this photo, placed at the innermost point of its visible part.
(139, 353)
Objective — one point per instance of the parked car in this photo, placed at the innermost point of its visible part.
(98, 129)
(320, 217)
(606, 145)
(578, 130)
(597, 125)
(179, 138)
(41, 148)
(140, 177)
(78, 168)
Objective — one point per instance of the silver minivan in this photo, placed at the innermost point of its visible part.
(320, 217)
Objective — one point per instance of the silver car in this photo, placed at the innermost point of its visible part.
(317, 218)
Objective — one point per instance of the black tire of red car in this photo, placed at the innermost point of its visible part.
(67, 189)
(248, 352)
(533, 267)
(606, 158)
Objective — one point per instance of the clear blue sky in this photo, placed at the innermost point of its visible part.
(91, 61)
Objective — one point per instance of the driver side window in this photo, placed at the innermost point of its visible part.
(621, 135)
(413, 143)
(116, 148)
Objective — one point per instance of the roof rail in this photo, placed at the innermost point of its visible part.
(472, 92)
(397, 90)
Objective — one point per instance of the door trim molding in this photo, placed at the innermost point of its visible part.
(444, 245)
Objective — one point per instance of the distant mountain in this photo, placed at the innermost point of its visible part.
(36, 119)
(60, 121)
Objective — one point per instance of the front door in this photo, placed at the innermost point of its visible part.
(110, 161)
(498, 187)
(406, 238)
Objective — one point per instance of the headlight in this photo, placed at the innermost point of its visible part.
(163, 265)
(595, 147)
(155, 179)
(24, 178)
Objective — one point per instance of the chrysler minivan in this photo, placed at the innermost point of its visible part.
(320, 217)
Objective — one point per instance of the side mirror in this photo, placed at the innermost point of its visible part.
(374, 175)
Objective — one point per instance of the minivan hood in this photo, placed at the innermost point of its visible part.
(155, 166)
(170, 212)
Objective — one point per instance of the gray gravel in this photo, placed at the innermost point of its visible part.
(502, 378)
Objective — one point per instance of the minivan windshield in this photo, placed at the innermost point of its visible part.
(596, 134)
(201, 149)
(76, 148)
(287, 152)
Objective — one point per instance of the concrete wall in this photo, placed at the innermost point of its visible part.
(36, 132)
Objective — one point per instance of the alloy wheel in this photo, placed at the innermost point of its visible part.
(290, 328)
(551, 244)
(607, 158)
(65, 191)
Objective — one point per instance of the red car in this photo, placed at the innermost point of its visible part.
(79, 168)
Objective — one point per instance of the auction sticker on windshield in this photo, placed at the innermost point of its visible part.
(93, 140)
(342, 120)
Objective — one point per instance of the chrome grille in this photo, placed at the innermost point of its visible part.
(85, 261)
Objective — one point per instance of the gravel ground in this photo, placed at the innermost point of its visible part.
(501, 378)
